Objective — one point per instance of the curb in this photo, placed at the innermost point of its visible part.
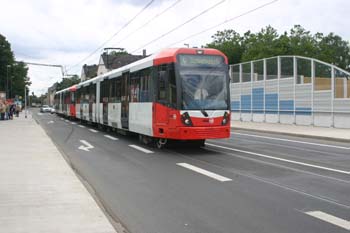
(294, 134)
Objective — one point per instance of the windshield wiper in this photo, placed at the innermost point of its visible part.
(204, 113)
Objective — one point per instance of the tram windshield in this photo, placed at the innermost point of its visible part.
(204, 88)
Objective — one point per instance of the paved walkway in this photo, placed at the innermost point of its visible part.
(39, 192)
(298, 130)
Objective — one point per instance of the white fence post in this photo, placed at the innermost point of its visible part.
(312, 90)
(278, 86)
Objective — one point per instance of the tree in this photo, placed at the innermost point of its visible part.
(267, 43)
(68, 82)
(230, 43)
(12, 73)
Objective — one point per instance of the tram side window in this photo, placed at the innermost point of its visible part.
(77, 93)
(72, 95)
(86, 94)
(145, 85)
(162, 83)
(104, 93)
(112, 91)
(172, 86)
(92, 93)
(118, 89)
(134, 87)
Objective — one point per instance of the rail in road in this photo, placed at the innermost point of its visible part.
(252, 182)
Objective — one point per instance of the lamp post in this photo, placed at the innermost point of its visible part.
(26, 80)
(7, 81)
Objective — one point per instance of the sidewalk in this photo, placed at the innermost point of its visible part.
(39, 192)
(296, 130)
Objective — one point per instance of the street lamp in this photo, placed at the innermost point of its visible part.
(7, 81)
(26, 80)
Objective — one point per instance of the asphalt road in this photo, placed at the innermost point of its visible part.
(252, 182)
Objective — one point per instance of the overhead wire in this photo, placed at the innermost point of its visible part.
(115, 34)
(149, 21)
(180, 25)
(225, 21)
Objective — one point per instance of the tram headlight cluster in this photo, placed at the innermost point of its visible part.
(226, 119)
(186, 119)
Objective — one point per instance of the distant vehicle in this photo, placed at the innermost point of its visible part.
(45, 108)
(177, 94)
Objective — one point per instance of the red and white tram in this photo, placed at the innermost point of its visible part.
(178, 93)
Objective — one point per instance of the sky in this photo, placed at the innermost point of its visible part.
(66, 32)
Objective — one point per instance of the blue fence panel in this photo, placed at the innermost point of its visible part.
(303, 111)
(235, 106)
(246, 101)
(258, 100)
(287, 107)
(271, 103)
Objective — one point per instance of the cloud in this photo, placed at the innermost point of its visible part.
(64, 32)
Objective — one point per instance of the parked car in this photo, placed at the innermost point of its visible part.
(45, 108)
(53, 110)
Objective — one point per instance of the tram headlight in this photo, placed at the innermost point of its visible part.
(186, 119)
(225, 119)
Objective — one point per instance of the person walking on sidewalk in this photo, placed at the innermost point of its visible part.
(18, 108)
(2, 110)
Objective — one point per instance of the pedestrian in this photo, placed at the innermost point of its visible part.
(12, 110)
(18, 108)
(7, 111)
(2, 110)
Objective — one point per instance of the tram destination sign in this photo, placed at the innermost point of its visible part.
(200, 60)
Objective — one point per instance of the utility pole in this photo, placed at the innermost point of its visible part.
(7, 81)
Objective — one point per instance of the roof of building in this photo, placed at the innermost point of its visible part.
(90, 71)
(113, 61)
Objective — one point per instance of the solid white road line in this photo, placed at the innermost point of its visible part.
(204, 172)
(280, 159)
(288, 140)
(330, 219)
(110, 137)
(94, 131)
(141, 149)
(81, 126)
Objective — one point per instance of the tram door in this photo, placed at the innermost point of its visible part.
(125, 100)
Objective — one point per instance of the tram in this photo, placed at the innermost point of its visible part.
(176, 94)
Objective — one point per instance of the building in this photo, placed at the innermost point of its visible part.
(51, 94)
(111, 61)
(88, 72)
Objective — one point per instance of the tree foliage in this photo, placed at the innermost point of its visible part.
(267, 42)
(67, 82)
(12, 73)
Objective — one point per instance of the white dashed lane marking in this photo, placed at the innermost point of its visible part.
(204, 172)
(81, 126)
(330, 219)
(94, 131)
(110, 137)
(141, 149)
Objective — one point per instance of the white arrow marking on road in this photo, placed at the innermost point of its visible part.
(50, 122)
(330, 218)
(87, 146)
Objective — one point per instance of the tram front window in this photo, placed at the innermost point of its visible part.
(204, 89)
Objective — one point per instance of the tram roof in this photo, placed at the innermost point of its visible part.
(163, 56)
